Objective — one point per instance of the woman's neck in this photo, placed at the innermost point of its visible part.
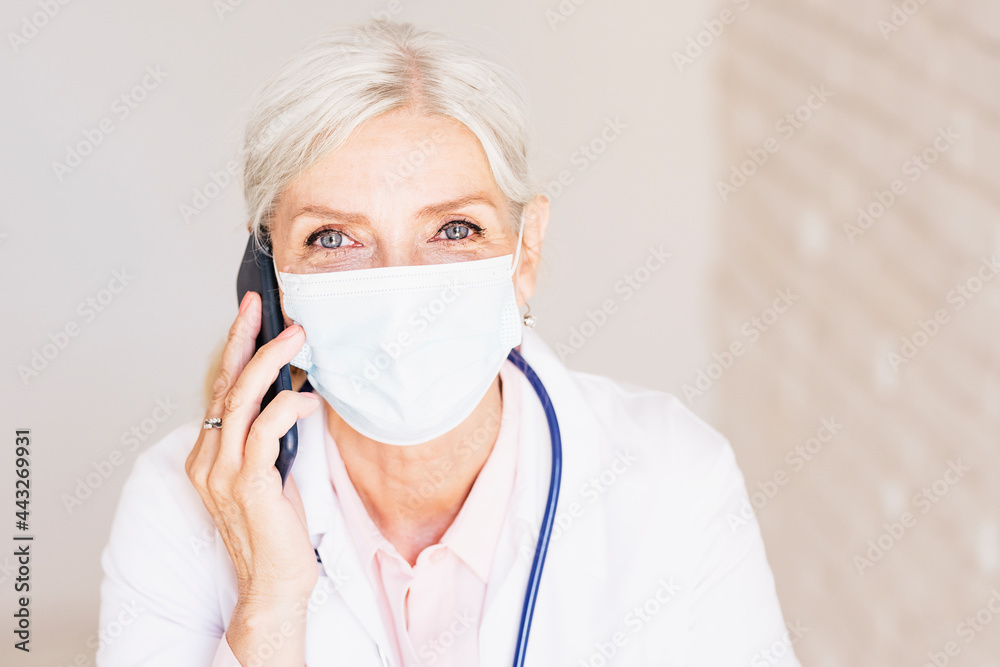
(414, 493)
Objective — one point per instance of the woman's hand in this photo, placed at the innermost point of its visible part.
(264, 529)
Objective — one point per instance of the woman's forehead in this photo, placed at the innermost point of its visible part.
(397, 160)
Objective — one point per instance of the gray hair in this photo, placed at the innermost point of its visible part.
(346, 77)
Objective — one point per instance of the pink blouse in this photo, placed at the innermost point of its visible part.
(432, 610)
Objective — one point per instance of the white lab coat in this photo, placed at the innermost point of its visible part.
(652, 561)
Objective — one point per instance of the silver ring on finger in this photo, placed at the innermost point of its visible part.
(214, 422)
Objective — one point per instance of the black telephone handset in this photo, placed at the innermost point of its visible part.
(257, 275)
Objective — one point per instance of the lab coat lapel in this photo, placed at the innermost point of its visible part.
(327, 529)
(575, 563)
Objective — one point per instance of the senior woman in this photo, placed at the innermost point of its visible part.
(387, 169)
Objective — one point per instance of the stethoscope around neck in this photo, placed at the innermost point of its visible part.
(548, 518)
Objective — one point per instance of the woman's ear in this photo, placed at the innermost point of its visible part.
(536, 221)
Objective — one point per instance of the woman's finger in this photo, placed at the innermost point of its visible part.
(237, 353)
(273, 422)
(242, 404)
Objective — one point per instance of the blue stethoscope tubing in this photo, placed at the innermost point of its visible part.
(548, 519)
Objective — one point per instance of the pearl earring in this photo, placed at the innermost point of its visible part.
(528, 318)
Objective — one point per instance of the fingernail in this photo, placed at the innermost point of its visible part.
(288, 333)
(244, 303)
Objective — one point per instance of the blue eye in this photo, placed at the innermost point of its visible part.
(331, 240)
(457, 232)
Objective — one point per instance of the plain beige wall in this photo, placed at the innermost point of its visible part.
(63, 238)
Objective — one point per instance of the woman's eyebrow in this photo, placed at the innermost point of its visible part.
(319, 211)
(428, 211)
(461, 202)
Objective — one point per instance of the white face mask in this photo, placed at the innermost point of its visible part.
(404, 354)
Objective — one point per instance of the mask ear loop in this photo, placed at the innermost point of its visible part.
(527, 318)
(517, 252)
(277, 274)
